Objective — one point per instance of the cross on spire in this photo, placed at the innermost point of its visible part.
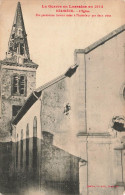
(18, 49)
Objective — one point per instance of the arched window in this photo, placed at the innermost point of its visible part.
(21, 149)
(35, 144)
(19, 85)
(21, 134)
(27, 145)
(17, 151)
(27, 131)
(35, 127)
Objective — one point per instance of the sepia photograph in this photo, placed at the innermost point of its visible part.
(62, 97)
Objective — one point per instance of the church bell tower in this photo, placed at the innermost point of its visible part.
(17, 75)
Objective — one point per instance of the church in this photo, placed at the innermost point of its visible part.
(67, 136)
(31, 160)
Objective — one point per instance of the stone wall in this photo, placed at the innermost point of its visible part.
(59, 170)
(8, 100)
(104, 68)
(63, 110)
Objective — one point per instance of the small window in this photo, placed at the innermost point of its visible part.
(21, 49)
(17, 151)
(15, 110)
(35, 144)
(21, 150)
(19, 85)
(27, 146)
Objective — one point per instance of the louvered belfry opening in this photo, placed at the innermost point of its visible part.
(15, 84)
(22, 85)
(19, 85)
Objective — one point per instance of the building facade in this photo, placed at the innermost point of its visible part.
(35, 152)
(67, 136)
(32, 160)
(104, 135)
(85, 106)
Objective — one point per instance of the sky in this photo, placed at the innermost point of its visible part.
(52, 40)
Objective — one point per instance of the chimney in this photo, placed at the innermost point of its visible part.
(47, 137)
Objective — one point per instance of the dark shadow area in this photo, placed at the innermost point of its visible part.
(36, 164)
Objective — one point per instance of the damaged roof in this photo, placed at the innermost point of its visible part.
(37, 93)
(101, 41)
(18, 49)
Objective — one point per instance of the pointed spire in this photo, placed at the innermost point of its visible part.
(18, 49)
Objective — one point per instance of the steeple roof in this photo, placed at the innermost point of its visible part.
(18, 50)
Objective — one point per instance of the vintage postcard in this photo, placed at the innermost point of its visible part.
(62, 97)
